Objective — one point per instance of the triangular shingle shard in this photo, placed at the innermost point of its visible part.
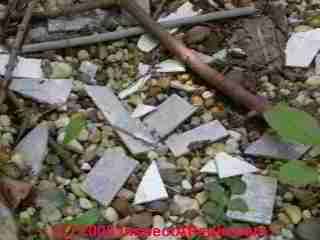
(151, 187)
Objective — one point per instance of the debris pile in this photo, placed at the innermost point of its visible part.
(97, 127)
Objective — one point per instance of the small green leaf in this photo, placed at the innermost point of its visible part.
(196, 238)
(314, 21)
(238, 204)
(237, 185)
(217, 194)
(90, 217)
(293, 124)
(77, 123)
(214, 212)
(297, 173)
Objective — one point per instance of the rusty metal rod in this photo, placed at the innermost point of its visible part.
(211, 76)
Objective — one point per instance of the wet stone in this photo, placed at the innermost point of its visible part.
(309, 229)
(103, 187)
(260, 198)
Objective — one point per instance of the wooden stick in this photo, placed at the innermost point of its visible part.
(211, 76)
(15, 51)
(134, 31)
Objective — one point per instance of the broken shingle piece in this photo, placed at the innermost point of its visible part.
(170, 65)
(260, 197)
(77, 23)
(108, 175)
(30, 153)
(170, 114)
(142, 110)
(210, 132)
(118, 116)
(26, 67)
(273, 147)
(143, 78)
(147, 43)
(229, 166)
(51, 91)
(89, 68)
(209, 167)
(151, 187)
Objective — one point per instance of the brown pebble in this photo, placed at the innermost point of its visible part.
(142, 220)
(164, 83)
(276, 227)
(197, 101)
(154, 91)
(122, 206)
(209, 103)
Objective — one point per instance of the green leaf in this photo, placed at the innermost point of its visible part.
(313, 21)
(77, 123)
(218, 194)
(293, 124)
(89, 217)
(238, 204)
(214, 212)
(196, 238)
(297, 173)
(237, 185)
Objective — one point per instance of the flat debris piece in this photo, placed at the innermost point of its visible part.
(170, 65)
(77, 23)
(142, 110)
(151, 187)
(302, 47)
(210, 132)
(147, 43)
(108, 175)
(170, 114)
(209, 167)
(89, 68)
(229, 166)
(118, 116)
(260, 197)
(272, 146)
(50, 91)
(138, 85)
(32, 149)
(26, 67)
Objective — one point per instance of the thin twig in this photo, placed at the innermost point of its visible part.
(6, 17)
(159, 9)
(71, 10)
(15, 51)
(134, 31)
(230, 88)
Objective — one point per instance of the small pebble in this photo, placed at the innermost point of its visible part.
(294, 213)
(85, 203)
(197, 100)
(83, 55)
(5, 121)
(110, 214)
(186, 185)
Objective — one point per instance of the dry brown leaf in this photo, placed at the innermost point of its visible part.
(14, 191)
